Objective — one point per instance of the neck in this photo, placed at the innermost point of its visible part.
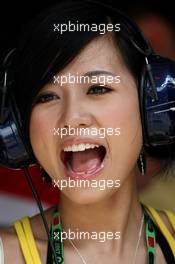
(121, 212)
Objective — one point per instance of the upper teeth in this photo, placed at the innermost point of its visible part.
(80, 147)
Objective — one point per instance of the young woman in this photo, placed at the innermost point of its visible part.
(106, 100)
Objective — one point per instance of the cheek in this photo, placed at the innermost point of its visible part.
(123, 112)
(131, 123)
(41, 130)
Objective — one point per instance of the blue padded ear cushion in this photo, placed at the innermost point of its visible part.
(13, 152)
(158, 117)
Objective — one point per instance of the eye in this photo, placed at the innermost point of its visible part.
(45, 98)
(97, 90)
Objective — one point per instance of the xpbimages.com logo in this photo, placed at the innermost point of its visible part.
(82, 27)
(93, 131)
(85, 183)
(102, 79)
(85, 235)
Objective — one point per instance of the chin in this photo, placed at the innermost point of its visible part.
(87, 197)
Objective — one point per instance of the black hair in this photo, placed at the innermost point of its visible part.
(42, 52)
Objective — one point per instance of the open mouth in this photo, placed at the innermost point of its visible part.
(83, 160)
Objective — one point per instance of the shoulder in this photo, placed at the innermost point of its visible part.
(167, 223)
(11, 244)
(163, 219)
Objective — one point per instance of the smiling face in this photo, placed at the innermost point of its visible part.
(89, 105)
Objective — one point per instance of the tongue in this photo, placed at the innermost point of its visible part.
(83, 161)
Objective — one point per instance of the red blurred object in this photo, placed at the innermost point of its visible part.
(160, 32)
(14, 182)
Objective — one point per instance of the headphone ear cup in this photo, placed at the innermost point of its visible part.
(158, 116)
(13, 152)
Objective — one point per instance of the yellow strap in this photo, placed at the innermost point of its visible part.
(23, 243)
(171, 218)
(163, 228)
(31, 241)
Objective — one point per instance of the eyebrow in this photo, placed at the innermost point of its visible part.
(96, 73)
(91, 74)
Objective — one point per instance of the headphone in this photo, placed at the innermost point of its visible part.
(156, 99)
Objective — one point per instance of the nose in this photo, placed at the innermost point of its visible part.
(77, 115)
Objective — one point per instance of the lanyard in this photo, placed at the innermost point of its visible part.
(57, 229)
(55, 232)
(150, 237)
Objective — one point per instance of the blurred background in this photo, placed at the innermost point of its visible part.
(157, 20)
